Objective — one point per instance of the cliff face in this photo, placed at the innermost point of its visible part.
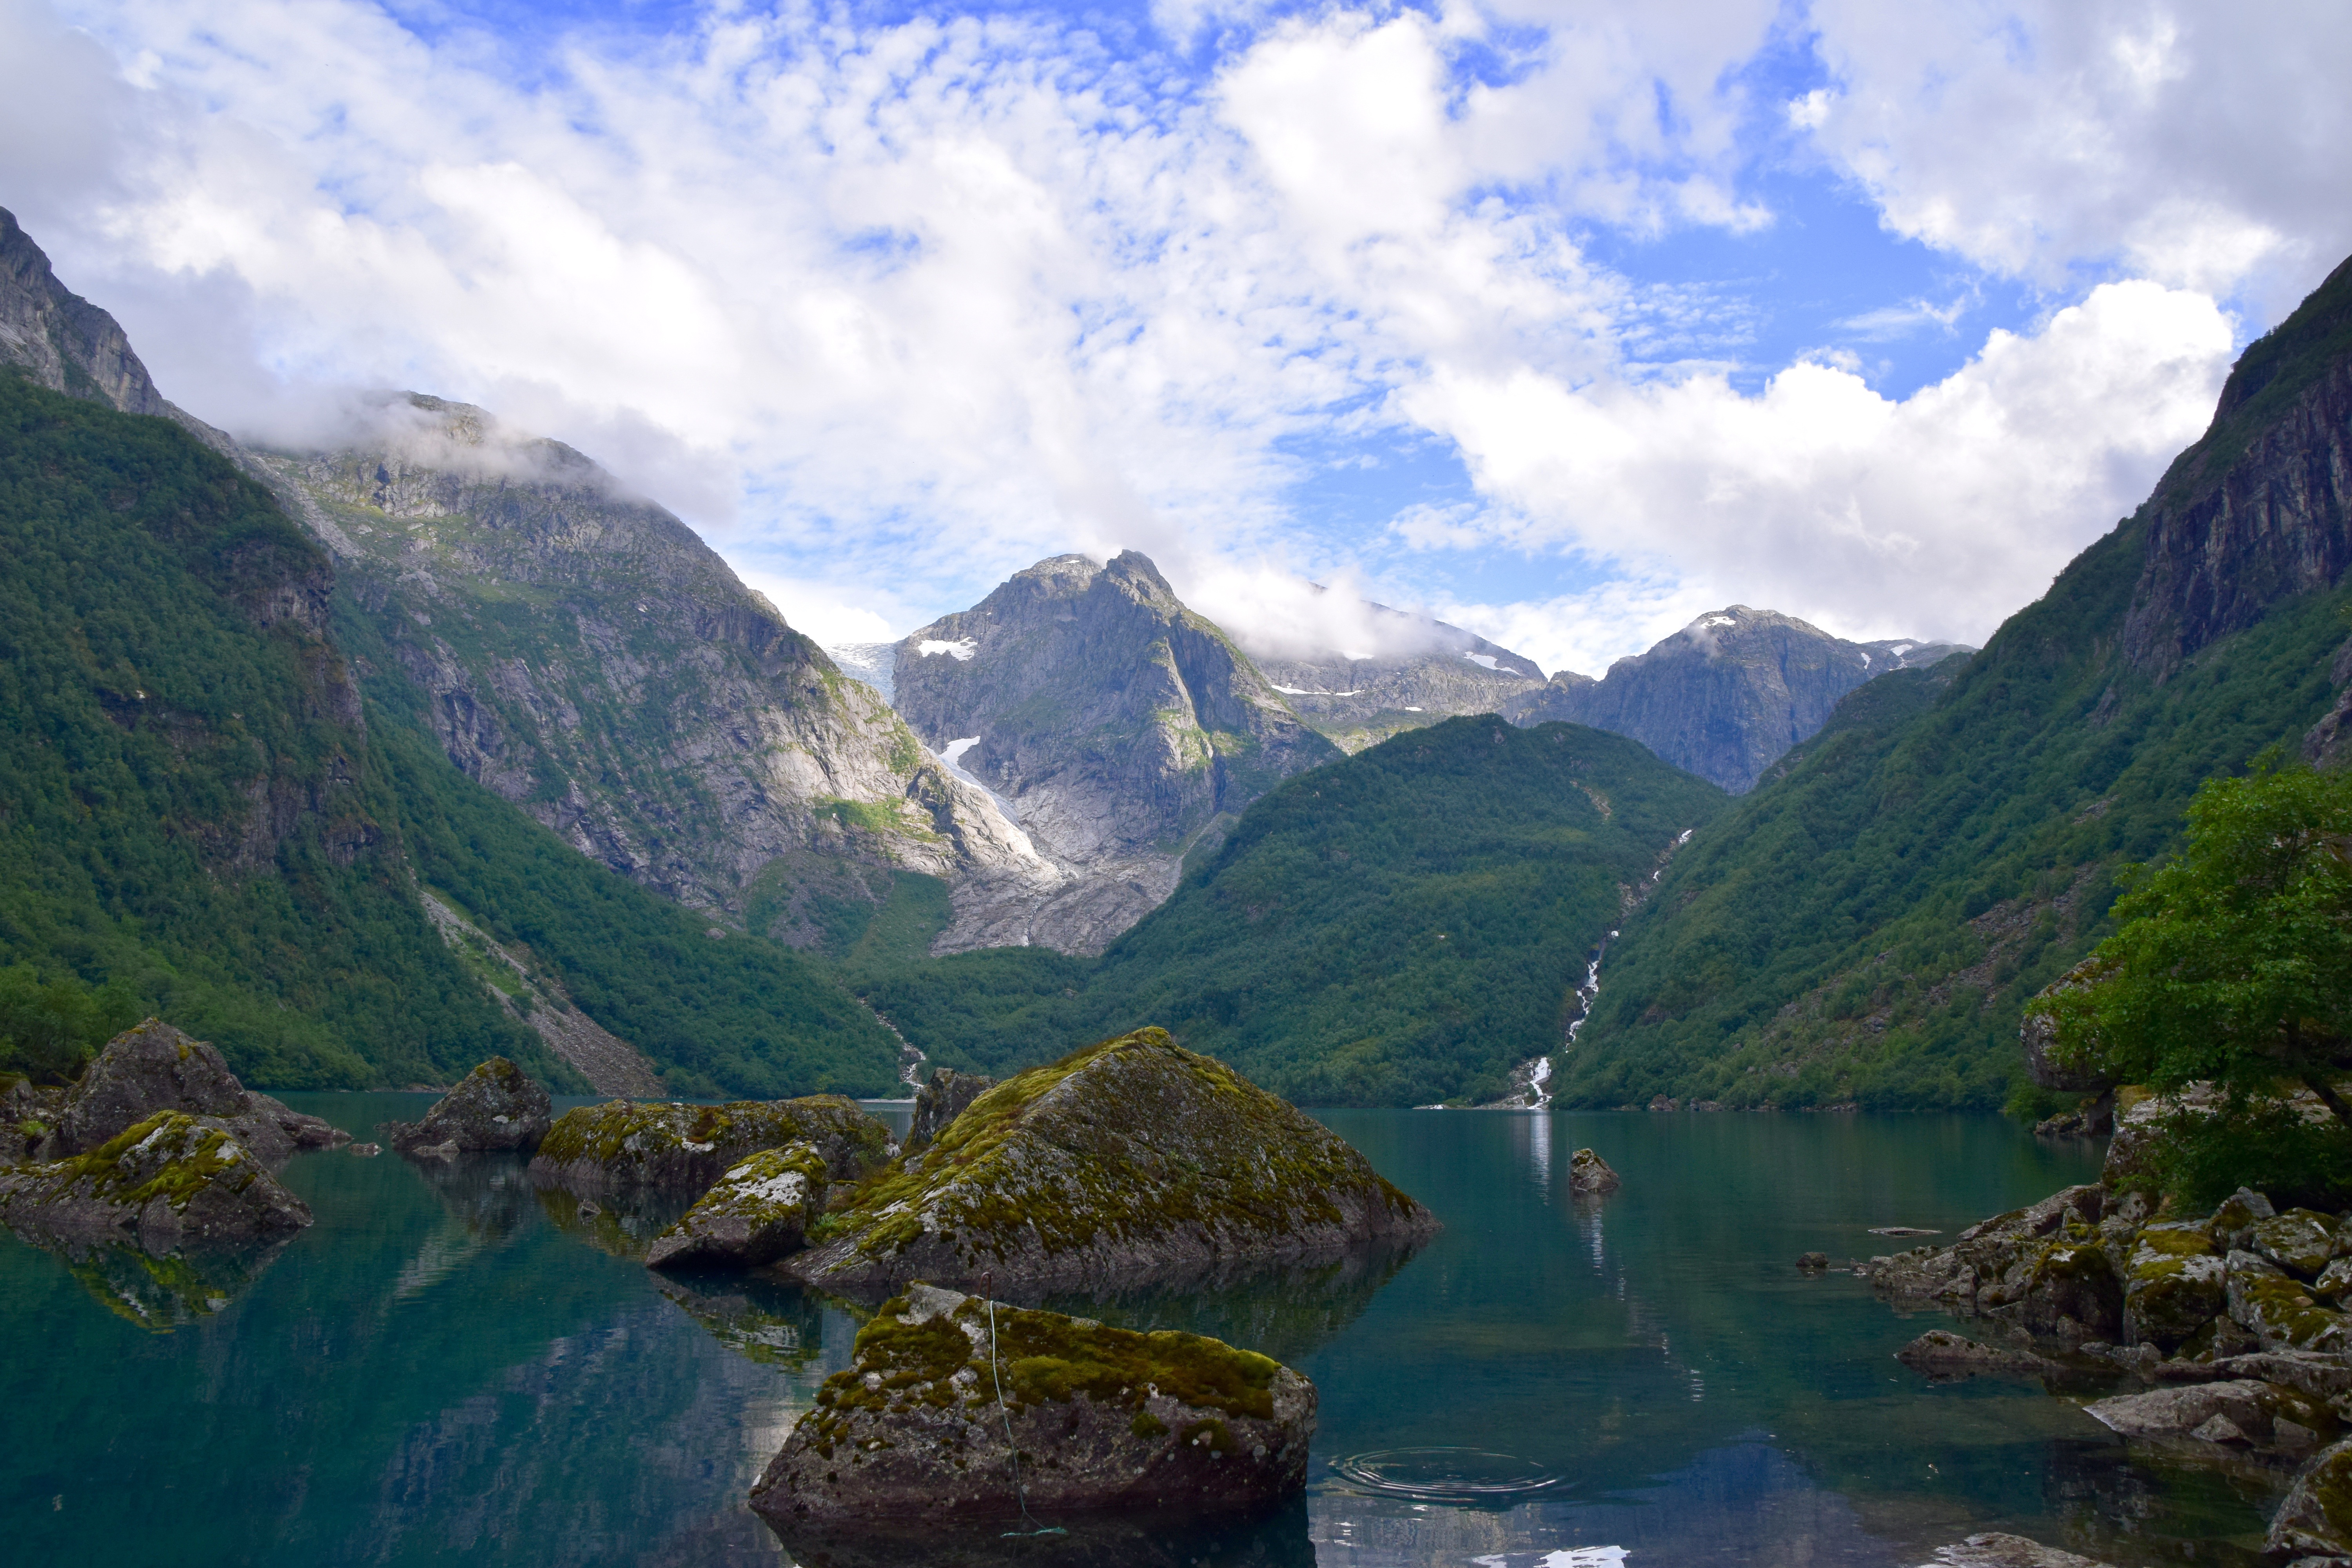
(1728, 694)
(1432, 672)
(584, 654)
(1119, 726)
(2257, 512)
(65, 342)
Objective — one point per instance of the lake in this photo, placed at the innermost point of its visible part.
(445, 1367)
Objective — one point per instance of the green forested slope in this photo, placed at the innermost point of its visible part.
(193, 820)
(1400, 927)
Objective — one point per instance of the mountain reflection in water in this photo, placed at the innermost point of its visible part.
(451, 1365)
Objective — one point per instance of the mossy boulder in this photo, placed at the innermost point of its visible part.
(2300, 1241)
(1103, 1421)
(756, 1213)
(2231, 1225)
(2176, 1285)
(2070, 1291)
(1130, 1161)
(497, 1107)
(2316, 1519)
(681, 1149)
(169, 1180)
(156, 1067)
(2280, 1310)
(941, 1101)
(2248, 1409)
(1590, 1176)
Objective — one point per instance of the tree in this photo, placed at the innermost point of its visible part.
(2234, 961)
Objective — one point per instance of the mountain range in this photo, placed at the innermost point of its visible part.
(370, 758)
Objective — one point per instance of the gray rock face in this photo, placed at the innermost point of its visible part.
(941, 1101)
(1120, 727)
(2251, 1409)
(756, 1213)
(2316, 1516)
(498, 1106)
(1428, 671)
(1589, 1173)
(1104, 1420)
(155, 1066)
(64, 342)
(681, 1149)
(1728, 694)
(1128, 1163)
(586, 656)
(2260, 508)
(168, 1181)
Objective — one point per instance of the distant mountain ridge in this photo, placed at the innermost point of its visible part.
(1429, 671)
(1727, 695)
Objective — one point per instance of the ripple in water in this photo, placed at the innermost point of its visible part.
(1472, 1476)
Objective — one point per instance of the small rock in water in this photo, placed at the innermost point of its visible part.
(679, 1150)
(1941, 1354)
(1588, 1172)
(1997, 1550)
(364, 1150)
(498, 1106)
(1813, 1262)
(169, 1179)
(1104, 1421)
(156, 1067)
(1902, 1230)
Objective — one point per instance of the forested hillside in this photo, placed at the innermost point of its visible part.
(1867, 924)
(1400, 927)
(197, 821)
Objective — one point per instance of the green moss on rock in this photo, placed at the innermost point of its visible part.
(683, 1149)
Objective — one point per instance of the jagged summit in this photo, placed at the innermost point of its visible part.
(1730, 693)
(1121, 727)
(1414, 670)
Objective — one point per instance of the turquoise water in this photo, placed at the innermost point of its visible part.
(437, 1371)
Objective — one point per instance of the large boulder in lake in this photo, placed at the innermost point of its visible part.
(1130, 1161)
(498, 1106)
(169, 1180)
(1590, 1176)
(756, 1213)
(1104, 1421)
(941, 1101)
(156, 1067)
(681, 1149)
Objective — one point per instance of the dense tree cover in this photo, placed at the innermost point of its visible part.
(186, 826)
(194, 822)
(1868, 925)
(1399, 927)
(2233, 960)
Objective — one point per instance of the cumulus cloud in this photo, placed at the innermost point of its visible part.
(892, 309)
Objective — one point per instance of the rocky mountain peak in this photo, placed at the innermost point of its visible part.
(1119, 726)
(1412, 671)
(65, 342)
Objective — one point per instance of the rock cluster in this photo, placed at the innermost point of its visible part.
(498, 1106)
(681, 1150)
(946, 1390)
(170, 1180)
(1127, 1162)
(145, 1069)
(756, 1213)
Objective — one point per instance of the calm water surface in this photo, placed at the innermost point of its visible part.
(440, 1371)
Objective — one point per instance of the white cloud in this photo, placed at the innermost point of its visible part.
(891, 311)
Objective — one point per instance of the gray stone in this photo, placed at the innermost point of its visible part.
(679, 1150)
(2317, 1516)
(154, 1068)
(2175, 1284)
(758, 1212)
(2279, 1310)
(1590, 1176)
(498, 1106)
(1104, 1420)
(941, 1101)
(2300, 1241)
(169, 1180)
(1998, 1551)
(1940, 1353)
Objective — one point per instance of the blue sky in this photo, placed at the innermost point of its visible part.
(1564, 321)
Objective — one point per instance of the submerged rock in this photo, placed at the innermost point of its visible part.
(941, 1101)
(1128, 1161)
(498, 1106)
(1997, 1550)
(1940, 1353)
(172, 1179)
(156, 1067)
(756, 1213)
(2316, 1516)
(1103, 1421)
(682, 1149)
(1589, 1173)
